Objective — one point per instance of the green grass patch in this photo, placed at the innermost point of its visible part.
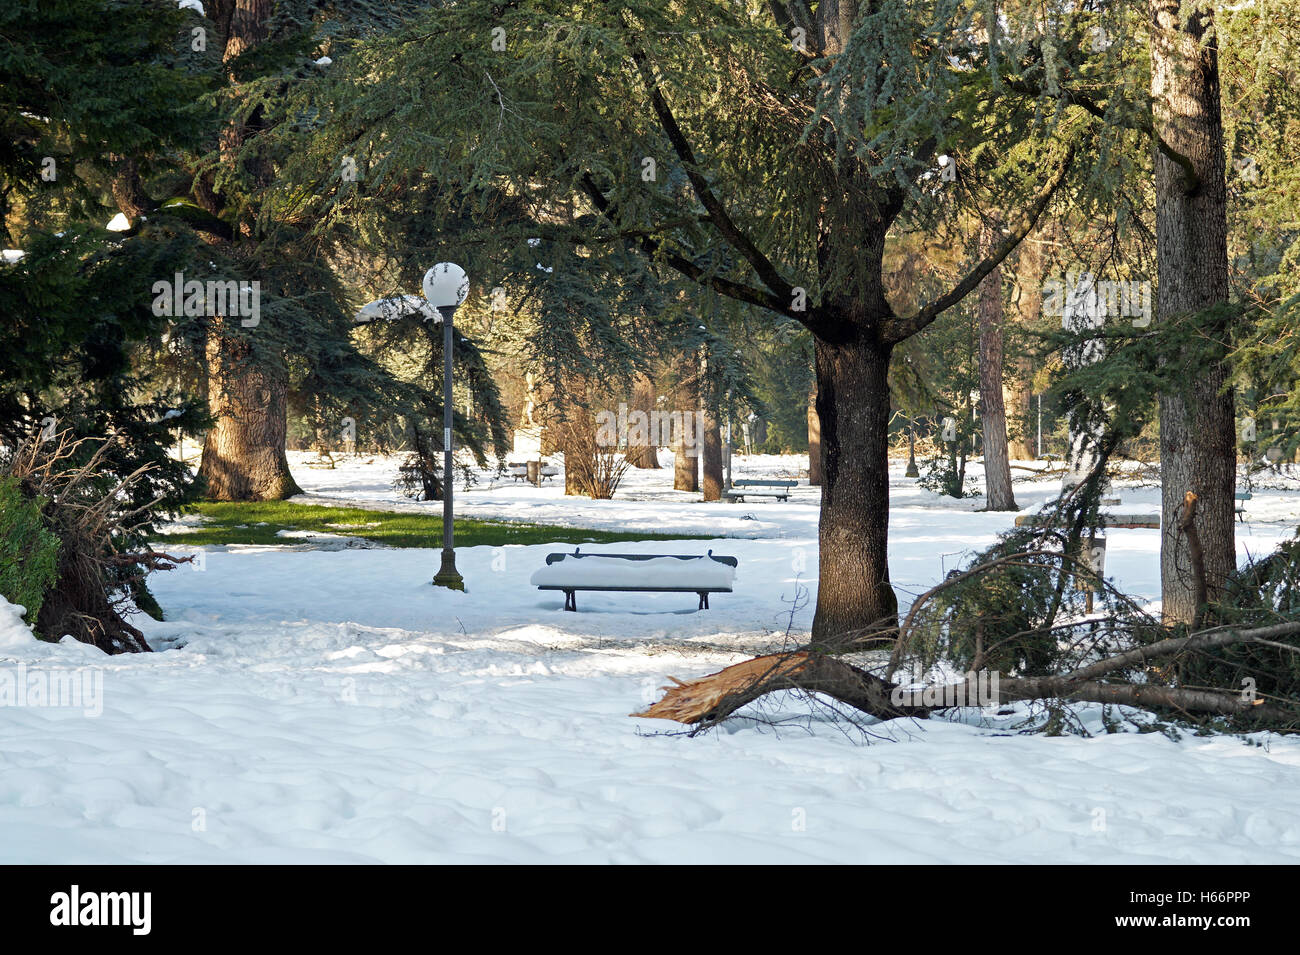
(258, 523)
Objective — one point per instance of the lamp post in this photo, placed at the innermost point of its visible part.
(445, 286)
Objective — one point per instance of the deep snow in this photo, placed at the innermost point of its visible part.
(330, 705)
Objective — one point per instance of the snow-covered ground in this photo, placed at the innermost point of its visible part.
(329, 705)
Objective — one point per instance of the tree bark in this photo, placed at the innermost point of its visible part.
(686, 457)
(854, 596)
(814, 440)
(1197, 429)
(642, 454)
(711, 456)
(997, 468)
(244, 452)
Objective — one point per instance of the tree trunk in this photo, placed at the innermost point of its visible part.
(642, 453)
(853, 591)
(1197, 430)
(711, 458)
(243, 453)
(686, 456)
(997, 469)
(686, 468)
(1019, 392)
(814, 440)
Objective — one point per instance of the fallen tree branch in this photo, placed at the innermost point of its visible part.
(711, 699)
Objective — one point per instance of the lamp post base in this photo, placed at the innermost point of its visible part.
(448, 576)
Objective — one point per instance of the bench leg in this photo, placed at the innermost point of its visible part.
(704, 600)
(571, 600)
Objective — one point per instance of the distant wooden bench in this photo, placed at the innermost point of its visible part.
(637, 573)
(746, 488)
(1242, 497)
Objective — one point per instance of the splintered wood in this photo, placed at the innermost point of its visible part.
(693, 701)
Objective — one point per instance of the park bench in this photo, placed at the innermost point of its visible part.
(746, 488)
(1242, 497)
(520, 471)
(636, 573)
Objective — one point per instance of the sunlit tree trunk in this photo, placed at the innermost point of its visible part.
(814, 440)
(993, 416)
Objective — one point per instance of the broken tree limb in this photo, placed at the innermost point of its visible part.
(1207, 640)
(713, 698)
(1211, 702)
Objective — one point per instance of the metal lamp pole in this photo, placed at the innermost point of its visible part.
(445, 286)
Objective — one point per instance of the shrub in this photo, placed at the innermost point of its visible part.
(29, 552)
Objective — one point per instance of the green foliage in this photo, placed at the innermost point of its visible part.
(1028, 605)
(555, 180)
(29, 552)
(85, 83)
(1261, 81)
(1266, 591)
(77, 308)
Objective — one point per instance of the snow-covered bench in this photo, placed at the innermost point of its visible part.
(777, 489)
(643, 573)
(520, 471)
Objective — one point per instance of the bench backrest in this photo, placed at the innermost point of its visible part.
(748, 483)
(729, 561)
(1242, 495)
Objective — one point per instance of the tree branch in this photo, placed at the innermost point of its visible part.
(698, 274)
(718, 215)
(899, 329)
(1191, 181)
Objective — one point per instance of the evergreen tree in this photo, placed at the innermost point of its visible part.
(762, 154)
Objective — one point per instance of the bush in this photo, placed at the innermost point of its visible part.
(29, 552)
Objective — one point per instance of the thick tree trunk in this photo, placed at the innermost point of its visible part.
(997, 469)
(853, 592)
(243, 453)
(642, 454)
(711, 456)
(1197, 430)
(814, 440)
(686, 468)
